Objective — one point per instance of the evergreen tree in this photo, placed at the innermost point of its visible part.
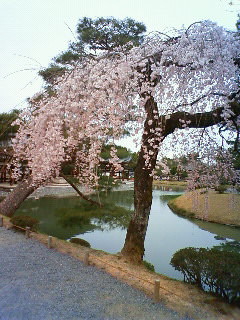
(93, 35)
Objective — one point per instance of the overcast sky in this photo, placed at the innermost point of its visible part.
(34, 31)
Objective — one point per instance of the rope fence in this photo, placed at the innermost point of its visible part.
(156, 284)
(27, 229)
(86, 260)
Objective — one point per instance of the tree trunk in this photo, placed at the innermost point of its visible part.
(24, 188)
(134, 243)
(136, 232)
(14, 199)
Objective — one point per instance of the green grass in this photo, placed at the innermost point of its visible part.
(169, 183)
(180, 211)
(221, 208)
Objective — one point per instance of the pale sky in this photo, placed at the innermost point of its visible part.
(34, 31)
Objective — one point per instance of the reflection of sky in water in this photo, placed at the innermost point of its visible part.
(111, 241)
(166, 233)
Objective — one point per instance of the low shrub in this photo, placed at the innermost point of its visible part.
(25, 221)
(148, 265)
(211, 270)
(221, 188)
(81, 242)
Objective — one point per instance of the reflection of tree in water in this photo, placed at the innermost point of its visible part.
(170, 188)
(167, 197)
(69, 217)
(109, 216)
(119, 198)
(65, 217)
(229, 245)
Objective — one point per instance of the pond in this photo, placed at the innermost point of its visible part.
(105, 228)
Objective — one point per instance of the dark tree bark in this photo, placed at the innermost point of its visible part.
(14, 199)
(134, 243)
(24, 189)
(73, 185)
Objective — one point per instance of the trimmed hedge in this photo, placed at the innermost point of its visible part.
(212, 270)
(81, 242)
(148, 265)
(221, 188)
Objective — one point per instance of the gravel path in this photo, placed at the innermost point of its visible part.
(38, 283)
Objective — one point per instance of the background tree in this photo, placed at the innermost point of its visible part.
(122, 152)
(94, 35)
(109, 33)
(7, 131)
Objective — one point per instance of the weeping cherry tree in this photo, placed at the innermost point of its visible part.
(171, 90)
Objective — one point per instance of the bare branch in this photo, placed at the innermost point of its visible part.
(73, 185)
(199, 120)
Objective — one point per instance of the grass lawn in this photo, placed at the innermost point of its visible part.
(169, 183)
(211, 206)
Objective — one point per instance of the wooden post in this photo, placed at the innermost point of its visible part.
(156, 290)
(86, 258)
(1, 221)
(27, 234)
(49, 242)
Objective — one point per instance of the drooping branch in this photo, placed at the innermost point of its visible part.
(73, 185)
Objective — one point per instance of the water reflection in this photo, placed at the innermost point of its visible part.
(222, 231)
(70, 216)
(105, 228)
(229, 245)
(170, 188)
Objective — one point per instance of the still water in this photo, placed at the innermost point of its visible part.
(105, 228)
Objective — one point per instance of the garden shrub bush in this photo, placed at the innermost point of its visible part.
(25, 221)
(148, 265)
(82, 242)
(221, 188)
(211, 270)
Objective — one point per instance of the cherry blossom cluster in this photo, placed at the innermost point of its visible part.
(192, 71)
